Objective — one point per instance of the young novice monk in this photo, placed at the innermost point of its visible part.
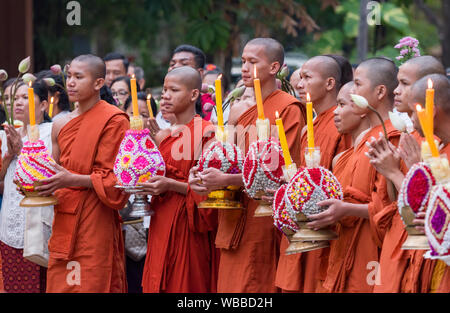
(365, 191)
(250, 245)
(321, 77)
(402, 270)
(86, 245)
(181, 255)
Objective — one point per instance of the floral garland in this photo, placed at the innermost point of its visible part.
(263, 167)
(437, 222)
(308, 187)
(138, 159)
(416, 188)
(34, 163)
(224, 156)
(409, 48)
(281, 218)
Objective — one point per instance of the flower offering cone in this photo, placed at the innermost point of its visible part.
(222, 199)
(33, 199)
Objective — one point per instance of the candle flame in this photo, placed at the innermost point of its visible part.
(308, 97)
(255, 74)
(29, 83)
(51, 99)
(419, 107)
(149, 96)
(430, 83)
(219, 77)
(133, 76)
(277, 115)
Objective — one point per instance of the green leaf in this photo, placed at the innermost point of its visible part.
(395, 17)
(351, 25)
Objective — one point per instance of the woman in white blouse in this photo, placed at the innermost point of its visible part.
(19, 274)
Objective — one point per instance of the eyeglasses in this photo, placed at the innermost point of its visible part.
(119, 93)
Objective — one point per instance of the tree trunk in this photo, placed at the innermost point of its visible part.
(363, 31)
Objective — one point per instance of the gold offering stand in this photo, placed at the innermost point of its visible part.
(440, 169)
(140, 206)
(306, 239)
(264, 207)
(225, 199)
(32, 198)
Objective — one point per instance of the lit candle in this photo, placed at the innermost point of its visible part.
(31, 109)
(134, 98)
(149, 105)
(50, 110)
(283, 141)
(257, 87)
(309, 121)
(421, 114)
(218, 85)
(429, 106)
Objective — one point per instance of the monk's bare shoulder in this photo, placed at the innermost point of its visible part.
(61, 122)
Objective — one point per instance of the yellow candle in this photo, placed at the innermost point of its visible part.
(429, 106)
(50, 110)
(149, 105)
(218, 85)
(257, 87)
(31, 109)
(421, 114)
(283, 141)
(309, 121)
(134, 98)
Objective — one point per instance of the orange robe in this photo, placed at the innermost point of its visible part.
(250, 245)
(353, 259)
(86, 245)
(181, 256)
(303, 272)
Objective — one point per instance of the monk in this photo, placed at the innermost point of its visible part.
(86, 245)
(439, 278)
(321, 77)
(401, 269)
(181, 256)
(249, 245)
(354, 254)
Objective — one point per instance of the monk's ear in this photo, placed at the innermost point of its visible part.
(98, 83)
(330, 83)
(195, 95)
(274, 68)
(381, 91)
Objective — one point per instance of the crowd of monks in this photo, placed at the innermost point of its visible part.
(208, 250)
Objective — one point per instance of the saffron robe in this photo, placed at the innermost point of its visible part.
(250, 245)
(303, 272)
(86, 245)
(181, 256)
(353, 259)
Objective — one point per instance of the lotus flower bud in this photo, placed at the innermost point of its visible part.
(3, 75)
(56, 69)
(237, 92)
(204, 88)
(207, 107)
(360, 101)
(397, 121)
(284, 71)
(66, 68)
(28, 78)
(24, 65)
(49, 81)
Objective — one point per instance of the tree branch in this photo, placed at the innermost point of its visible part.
(429, 14)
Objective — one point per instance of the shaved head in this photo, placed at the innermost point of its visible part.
(381, 71)
(96, 66)
(188, 76)
(273, 50)
(426, 65)
(441, 87)
(326, 66)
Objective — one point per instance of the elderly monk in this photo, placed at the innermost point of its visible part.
(365, 190)
(249, 245)
(86, 245)
(403, 270)
(181, 254)
(321, 77)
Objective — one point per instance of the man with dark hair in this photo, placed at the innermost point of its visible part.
(116, 65)
(187, 55)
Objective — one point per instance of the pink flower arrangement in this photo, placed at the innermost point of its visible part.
(409, 48)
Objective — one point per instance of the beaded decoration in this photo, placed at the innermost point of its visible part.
(34, 163)
(224, 156)
(138, 159)
(437, 221)
(416, 188)
(281, 218)
(308, 187)
(263, 167)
